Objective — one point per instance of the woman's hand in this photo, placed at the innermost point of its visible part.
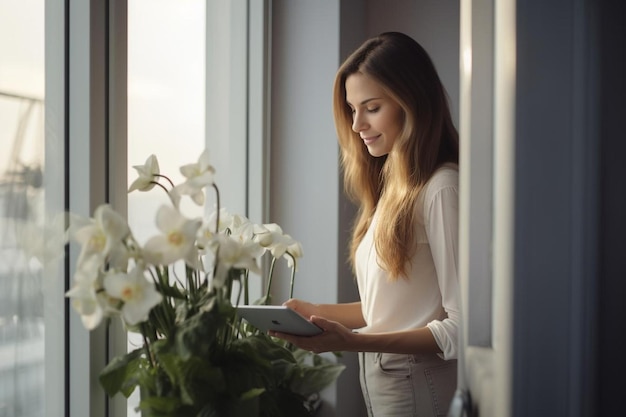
(335, 337)
(304, 308)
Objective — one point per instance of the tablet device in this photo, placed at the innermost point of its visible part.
(278, 318)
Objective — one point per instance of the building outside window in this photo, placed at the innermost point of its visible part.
(22, 194)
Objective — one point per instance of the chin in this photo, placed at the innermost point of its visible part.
(377, 153)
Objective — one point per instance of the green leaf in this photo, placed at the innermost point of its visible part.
(253, 393)
(208, 411)
(282, 371)
(198, 334)
(282, 403)
(159, 406)
(263, 300)
(263, 348)
(312, 379)
(195, 378)
(301, 355)
(119, 371)
(172, 291)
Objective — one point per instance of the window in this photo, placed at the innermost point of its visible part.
(24, 330)
(166, 102)
(154, 50)
(196, 74)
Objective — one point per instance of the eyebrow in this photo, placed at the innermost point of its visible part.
(366, 100)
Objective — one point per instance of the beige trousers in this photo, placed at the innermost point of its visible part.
(396, 385)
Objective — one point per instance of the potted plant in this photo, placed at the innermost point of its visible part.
(180, 291)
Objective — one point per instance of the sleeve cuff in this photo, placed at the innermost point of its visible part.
(447, 344)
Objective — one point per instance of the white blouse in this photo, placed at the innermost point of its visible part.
(430, 297)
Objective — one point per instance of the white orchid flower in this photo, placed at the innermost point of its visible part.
(102, 234)
(85, 300)
(206, 260)
(237, 226)
(242, 228)
(204, 237)
(271, 237)
(148, 175)
(118, 258)
(176, 242)
(138, 294)
(198, 176)
(225, 219)
(175, 196)
(295, 250)
(233, 253)
(75, 222)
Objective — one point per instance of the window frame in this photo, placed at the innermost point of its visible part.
(86, 120)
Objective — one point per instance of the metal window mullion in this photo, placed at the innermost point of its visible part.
(87, 184)
(55, 306)
(117, 151)
(258, 117)
(259, 70)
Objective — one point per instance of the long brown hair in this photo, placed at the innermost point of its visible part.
(390, 184)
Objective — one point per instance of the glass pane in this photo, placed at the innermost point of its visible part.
(21, 207)
(166, 103)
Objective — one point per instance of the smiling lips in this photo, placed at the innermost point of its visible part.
(370, 139)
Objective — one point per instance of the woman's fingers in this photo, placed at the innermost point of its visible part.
(334, 337)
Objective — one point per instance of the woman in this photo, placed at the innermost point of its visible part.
(399, 152)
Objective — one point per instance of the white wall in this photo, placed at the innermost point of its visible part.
(434, 24)
(304, 154)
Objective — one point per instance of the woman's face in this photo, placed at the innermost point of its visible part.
(376, 117)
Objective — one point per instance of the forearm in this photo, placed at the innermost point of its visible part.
(348, 314)
(336, 337)
(407, 341)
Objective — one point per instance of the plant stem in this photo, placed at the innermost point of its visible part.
(166, 177)
(269, 282)
(146, 345)
(191, 283)
(246, 297)
(160, 185)
(293, 274)
(217, 203)
(217, 257)
(240, 289)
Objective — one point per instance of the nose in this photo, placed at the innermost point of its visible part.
(358, 124)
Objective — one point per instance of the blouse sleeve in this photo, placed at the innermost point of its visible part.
(441, 215)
